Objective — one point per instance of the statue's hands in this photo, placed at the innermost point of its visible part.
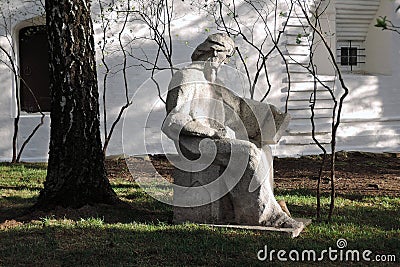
(177, 124)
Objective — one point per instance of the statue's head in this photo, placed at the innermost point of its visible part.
(216, 48)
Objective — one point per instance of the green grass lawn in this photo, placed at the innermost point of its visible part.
(143, 235)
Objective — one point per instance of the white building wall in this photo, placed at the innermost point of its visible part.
(6, 121)
(370, 120)
(371, 112)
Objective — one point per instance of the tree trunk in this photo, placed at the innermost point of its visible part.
(76, 173)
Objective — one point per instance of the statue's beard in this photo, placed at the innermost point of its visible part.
(211, 67)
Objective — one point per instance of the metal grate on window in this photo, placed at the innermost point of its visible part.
(348, 56)
(351, 55)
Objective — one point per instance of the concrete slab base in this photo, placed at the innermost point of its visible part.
(291, 231)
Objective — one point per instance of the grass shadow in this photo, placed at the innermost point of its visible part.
(21, 209)
(86, 243)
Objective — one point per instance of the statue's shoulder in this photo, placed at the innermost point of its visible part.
(187, 75)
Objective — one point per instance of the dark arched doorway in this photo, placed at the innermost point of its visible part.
(34, 69)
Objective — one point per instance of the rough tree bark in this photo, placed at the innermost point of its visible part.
(76, 173)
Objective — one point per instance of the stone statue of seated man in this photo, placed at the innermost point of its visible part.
(223, 139)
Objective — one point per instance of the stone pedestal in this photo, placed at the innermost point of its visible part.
(217, 211)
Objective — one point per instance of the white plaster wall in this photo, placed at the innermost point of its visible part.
(371, 111)
(6, 121)
(379, 44)
(141, 128)
(16, 17)
(321, 55)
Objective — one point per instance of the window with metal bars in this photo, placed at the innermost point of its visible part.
(351, 55)
(348, 56)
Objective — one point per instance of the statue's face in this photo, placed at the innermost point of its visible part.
(221, 56)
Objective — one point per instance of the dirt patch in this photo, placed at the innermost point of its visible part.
(357, 173)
